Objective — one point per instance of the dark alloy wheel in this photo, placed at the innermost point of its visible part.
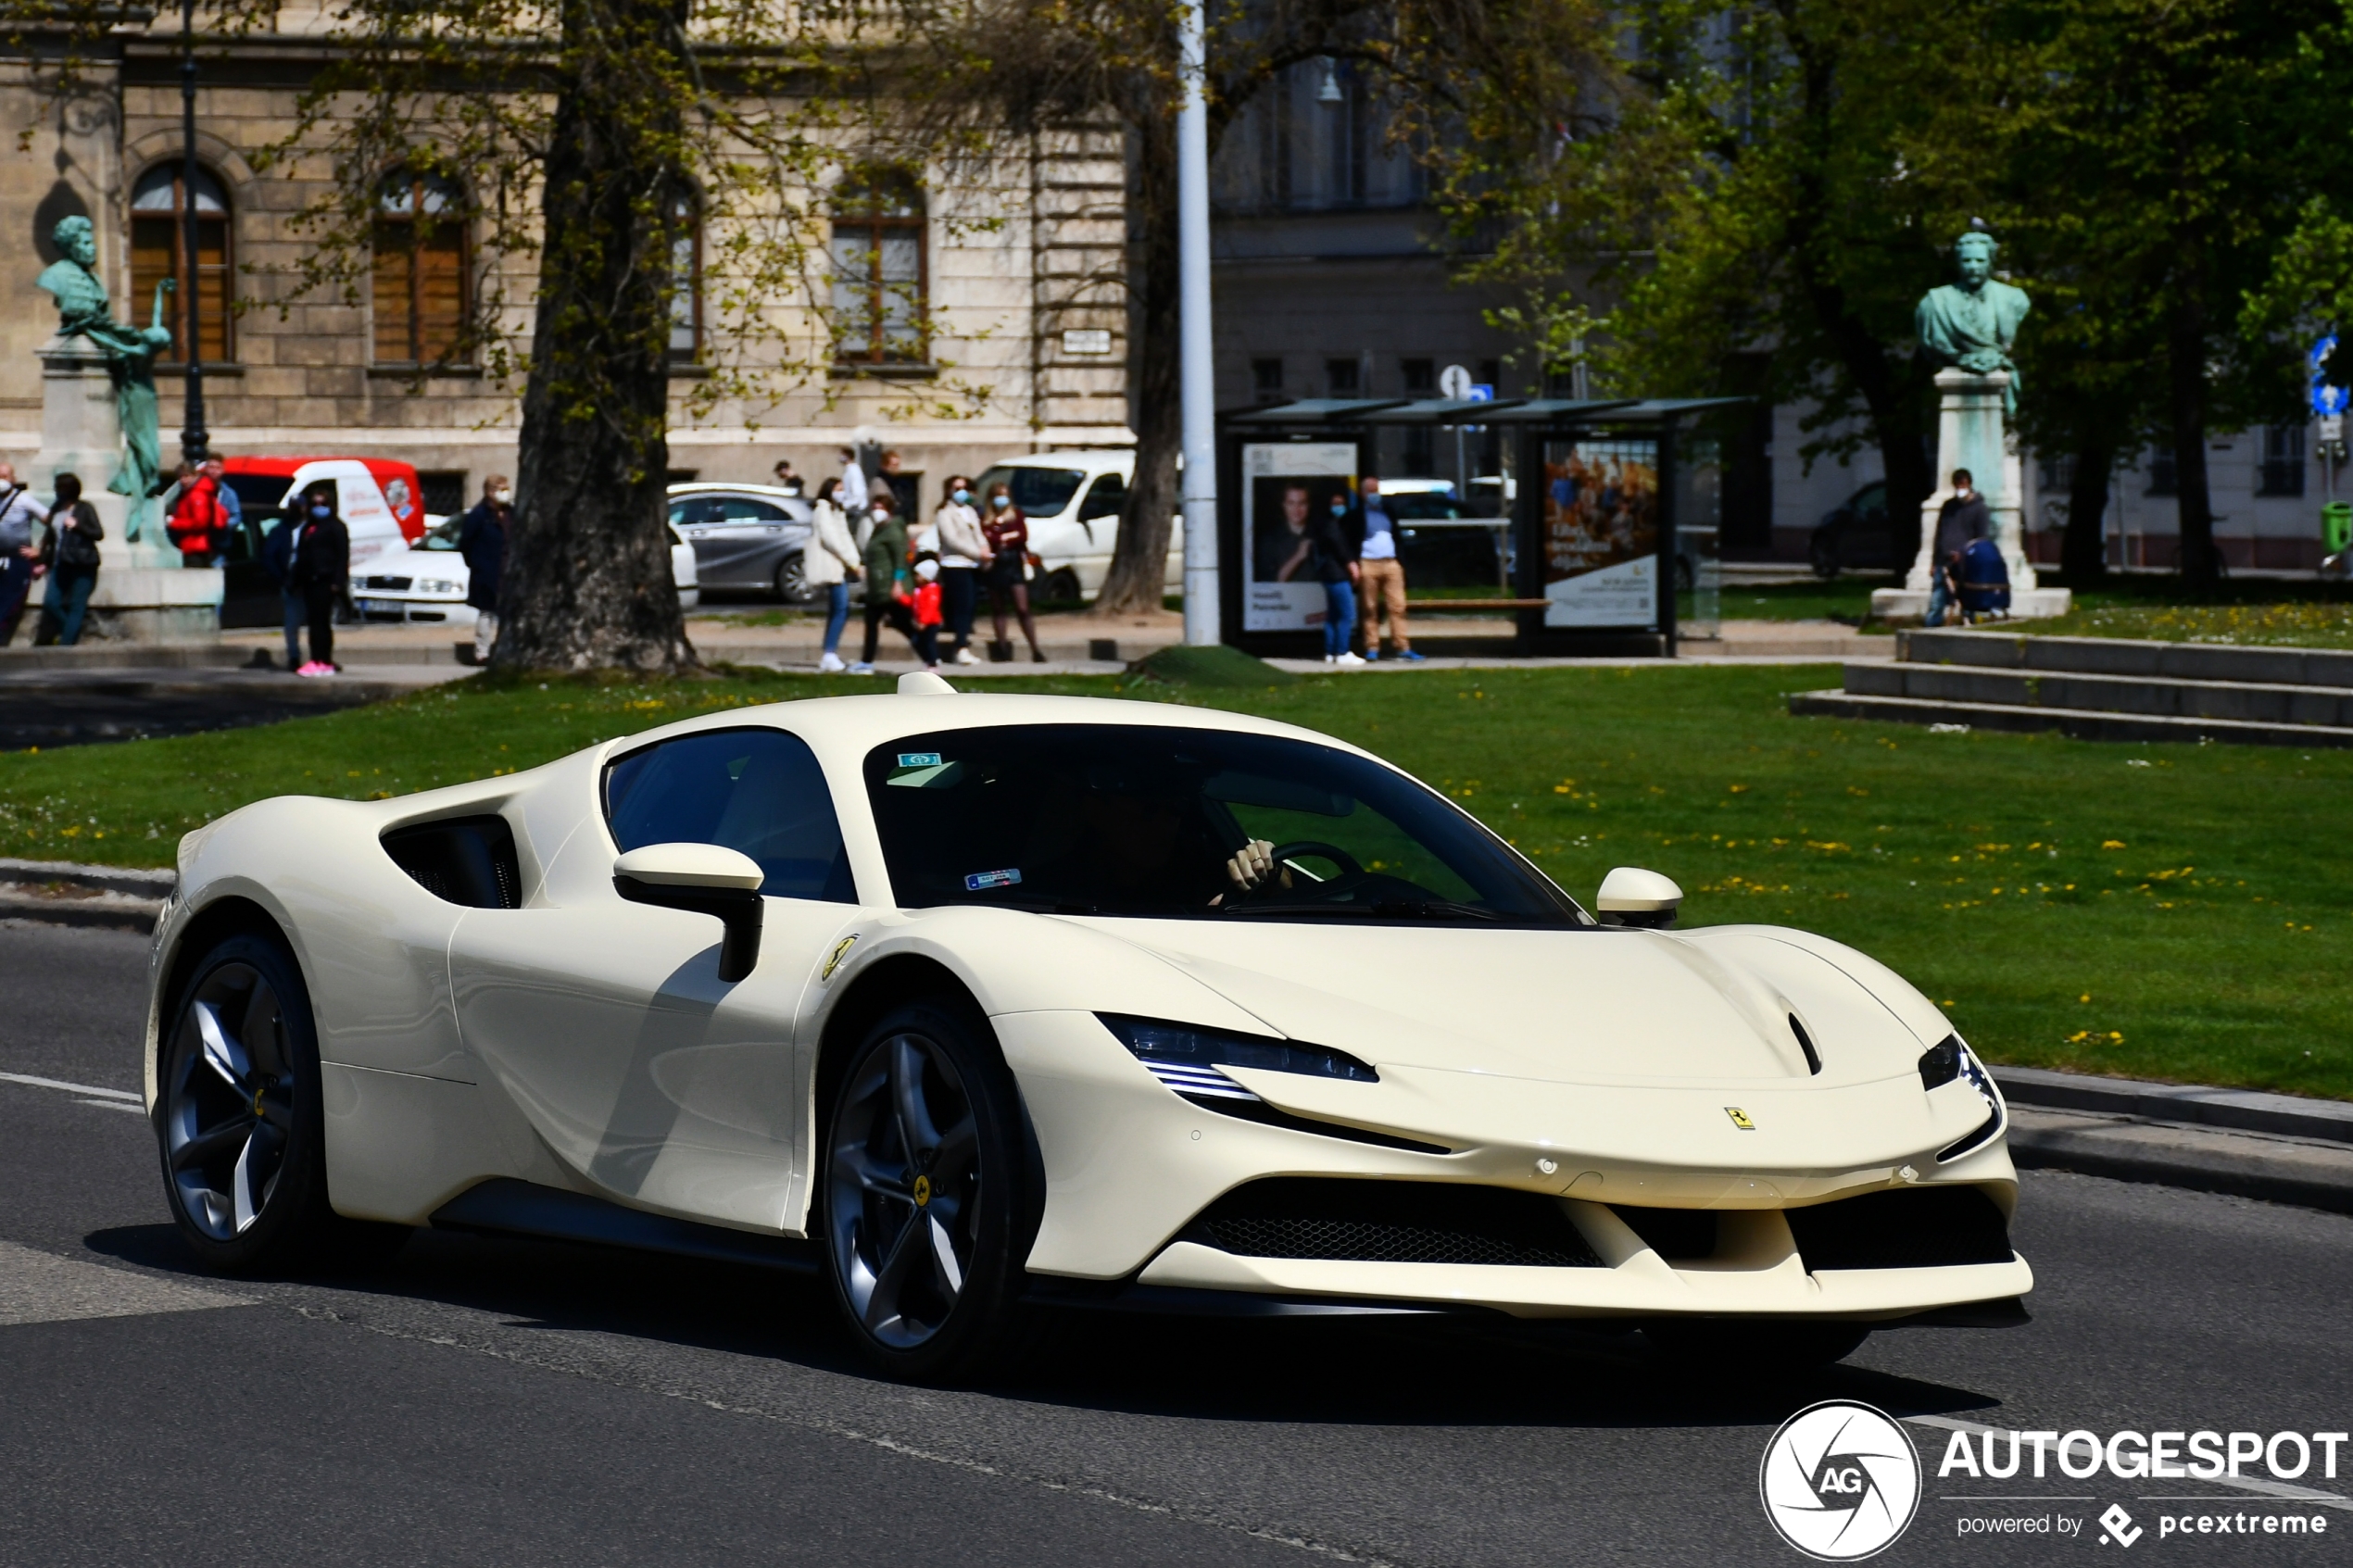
(239, 1124)
(926, 1201)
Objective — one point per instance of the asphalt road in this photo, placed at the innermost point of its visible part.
(512, 1404)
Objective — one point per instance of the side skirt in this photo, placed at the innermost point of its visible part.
(504, 1206)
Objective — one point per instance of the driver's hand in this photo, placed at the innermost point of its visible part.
(1253, 866)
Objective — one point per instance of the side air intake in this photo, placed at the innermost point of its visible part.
(1376, 1221)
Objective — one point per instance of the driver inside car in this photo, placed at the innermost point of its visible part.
(1139, 840)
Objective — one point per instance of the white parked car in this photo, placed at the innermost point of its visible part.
(1073, 500)
(427, 584)
(977, 1004)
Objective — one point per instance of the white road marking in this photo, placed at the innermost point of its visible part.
(135, 1108)
(37, 1286)
(2280, 1489)
(69, 1088)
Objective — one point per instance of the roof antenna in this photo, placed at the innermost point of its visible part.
(922, 683)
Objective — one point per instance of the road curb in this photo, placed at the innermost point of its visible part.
(67, 892)
(2309, 1173)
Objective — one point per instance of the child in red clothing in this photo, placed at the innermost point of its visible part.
(924, 602)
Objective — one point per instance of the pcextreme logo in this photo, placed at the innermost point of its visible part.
(1841, 1481)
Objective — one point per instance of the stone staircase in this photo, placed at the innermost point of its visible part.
(2096, 688)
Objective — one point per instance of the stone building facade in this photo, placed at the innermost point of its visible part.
(1019, 266)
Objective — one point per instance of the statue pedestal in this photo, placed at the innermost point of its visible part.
(143, 594)
(1970, 434)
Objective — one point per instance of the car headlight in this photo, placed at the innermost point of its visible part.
(1186, 1057)
(1948, 1060)
(436, 585)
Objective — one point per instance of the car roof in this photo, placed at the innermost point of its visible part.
(856, 725)
(714, 488)
(1096, 460)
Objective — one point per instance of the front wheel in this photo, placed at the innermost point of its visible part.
(926, 1199)
(239, 1121)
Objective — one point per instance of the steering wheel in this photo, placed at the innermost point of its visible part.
(1350, 866)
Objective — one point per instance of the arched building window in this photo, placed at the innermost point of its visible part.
(880, 268)
(686, 278)
(419, 269)
(160, 250)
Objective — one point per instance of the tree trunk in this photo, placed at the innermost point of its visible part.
(587, 581)
(1139, 573)
(2083, 549)
(2185, 370)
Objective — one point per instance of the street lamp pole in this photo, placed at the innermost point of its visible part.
(1199, 399)
(193, 437)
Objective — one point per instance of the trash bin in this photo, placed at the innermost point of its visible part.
(2336, 526)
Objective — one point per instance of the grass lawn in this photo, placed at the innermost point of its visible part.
(2167, 911)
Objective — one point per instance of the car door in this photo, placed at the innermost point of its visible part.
(606, 1022)
(741, 543)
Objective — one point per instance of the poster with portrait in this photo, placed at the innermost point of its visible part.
(1601, 532)
(1287, 487)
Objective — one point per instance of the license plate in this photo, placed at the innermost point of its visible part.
(381, 607)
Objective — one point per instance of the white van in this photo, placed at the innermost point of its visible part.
(1073, 500)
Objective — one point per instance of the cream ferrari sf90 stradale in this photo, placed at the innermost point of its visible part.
(983, 1003)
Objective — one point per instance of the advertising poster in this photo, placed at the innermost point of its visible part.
(1601, 532)
(1286, 486)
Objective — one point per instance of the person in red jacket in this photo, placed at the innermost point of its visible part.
(199, 523)
(924, 604)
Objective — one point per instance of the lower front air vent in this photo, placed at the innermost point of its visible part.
(1374, 1222)
(1676, 1235)
(1929, 1227)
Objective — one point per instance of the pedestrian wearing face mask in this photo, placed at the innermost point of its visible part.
(320, 556)
(887, 579)
(69, 555)
(1336, 566)
(831, 562)
(20, 520)
(482, 539)
(1007, 574)
(963, 550)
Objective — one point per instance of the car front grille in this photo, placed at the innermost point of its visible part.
(1376, 1221)
(1924, 1227)
(394, 584)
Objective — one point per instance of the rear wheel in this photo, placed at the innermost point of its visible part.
(792, 579)
(1061, 586)
(239, 1121)
(1765, 1345)
(927, 1194)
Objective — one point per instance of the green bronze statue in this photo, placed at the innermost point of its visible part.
(1972, 324)
(130, 357)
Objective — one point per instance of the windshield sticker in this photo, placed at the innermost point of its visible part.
(980, 881)
(924, 770)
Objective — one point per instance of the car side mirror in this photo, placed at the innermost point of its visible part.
(1631, 896)
(704, 879)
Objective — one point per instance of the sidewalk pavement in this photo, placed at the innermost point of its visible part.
(2281, 1148)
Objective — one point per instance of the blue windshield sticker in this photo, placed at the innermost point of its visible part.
(919, 759)
(981, 880)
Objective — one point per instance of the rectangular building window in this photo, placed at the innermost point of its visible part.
(158, 250)
(1267, 380)
(420, 282)
(881, 282)
(2283, 472)
(1339, 378)
(2164, 480)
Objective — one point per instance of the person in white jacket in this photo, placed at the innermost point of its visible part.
(853, 482)
(830, 561)
(963, 550)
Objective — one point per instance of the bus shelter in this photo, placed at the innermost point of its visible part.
(1603, 510)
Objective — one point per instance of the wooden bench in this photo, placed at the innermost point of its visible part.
(1485, 607)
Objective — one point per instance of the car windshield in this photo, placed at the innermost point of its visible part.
(442, 536)
(1415, 505)
(1038, 492)
(1178, 823)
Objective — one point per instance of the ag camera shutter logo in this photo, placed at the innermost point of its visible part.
(1841, 1481)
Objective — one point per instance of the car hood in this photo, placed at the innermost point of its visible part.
(1597, 1006)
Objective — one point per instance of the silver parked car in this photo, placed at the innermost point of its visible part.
(745, 537)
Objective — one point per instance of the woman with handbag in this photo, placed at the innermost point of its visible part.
(1007, 574)
(69, 555)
